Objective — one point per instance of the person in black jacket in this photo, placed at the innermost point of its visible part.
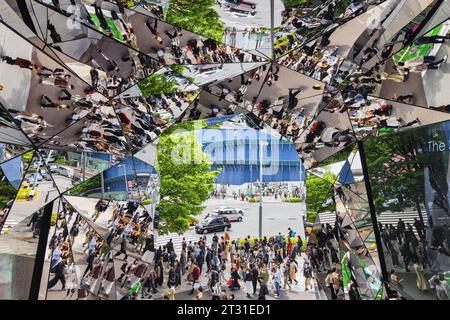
(255, 278)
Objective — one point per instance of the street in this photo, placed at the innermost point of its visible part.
(277, 217)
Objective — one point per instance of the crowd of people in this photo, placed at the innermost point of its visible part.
(369, 116)
(259, 266)
(425, 249)
(300, 24)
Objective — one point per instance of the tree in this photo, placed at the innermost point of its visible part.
(295, 3)
(396, 165)
(197, 16)
(319, 195)
(7, 192)
(157, 84)
(84, 188)
(165, 82)
(184, 185)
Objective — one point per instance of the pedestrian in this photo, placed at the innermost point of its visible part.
(234, 279)
(255, 277)
(195, 278)
(307, 274)
(293, 272)
(277, 275)
(58, 270)
(248, 279)
(329, 284)
(263, 290)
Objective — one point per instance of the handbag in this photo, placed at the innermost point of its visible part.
(230, 282)
(82, 293)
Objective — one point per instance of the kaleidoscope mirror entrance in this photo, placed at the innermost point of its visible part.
(188, 149)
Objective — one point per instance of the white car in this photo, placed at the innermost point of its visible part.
(231, 214)
(238, 210)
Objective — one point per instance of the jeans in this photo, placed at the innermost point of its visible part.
(277, 288)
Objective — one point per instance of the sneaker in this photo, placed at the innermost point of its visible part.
(444, 60)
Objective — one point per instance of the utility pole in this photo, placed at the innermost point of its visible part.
(260, 184)
(272, 26)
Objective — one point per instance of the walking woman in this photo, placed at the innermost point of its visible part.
(293, 272)
(234, 279)
(248, 282)
(159, 272)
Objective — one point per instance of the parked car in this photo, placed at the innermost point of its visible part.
(213, 224)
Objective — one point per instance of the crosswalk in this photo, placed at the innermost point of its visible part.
(383, 218)
(176, 239)
(8, 225)
(5, 249)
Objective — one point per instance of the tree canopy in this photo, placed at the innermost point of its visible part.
(197, 16)
(396, 166)
(157, 84)
(319, 192)
(186, 179)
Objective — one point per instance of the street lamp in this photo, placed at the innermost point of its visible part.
(262, 144)
(272, 25)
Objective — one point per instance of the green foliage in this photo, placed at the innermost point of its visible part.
(340, 7)
(7, 191)
(26, 157)
(396, 169)
(345, 154)
(197, 16)
(60, 161)
(90, 184)
(156, 84)
(186, 179)
(179, 69)
(318, 191)
(295, 3)
(293, 200)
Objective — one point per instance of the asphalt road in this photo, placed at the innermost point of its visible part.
(277, 217)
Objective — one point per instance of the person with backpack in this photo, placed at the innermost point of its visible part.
(213, 278)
